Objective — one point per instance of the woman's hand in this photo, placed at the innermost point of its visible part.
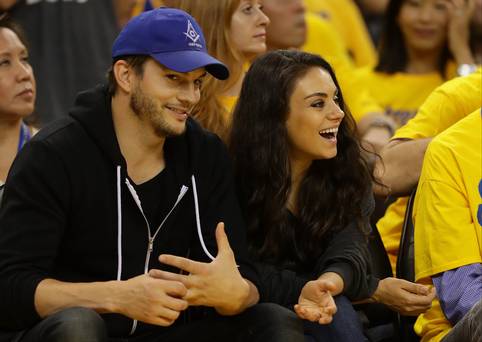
(316, 302)
(460, 14)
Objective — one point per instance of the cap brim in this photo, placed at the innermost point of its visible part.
(185, 61)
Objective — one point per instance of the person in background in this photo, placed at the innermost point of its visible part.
(236, 32)
(69, 47)
(419, 38)
(347, 20)
(401, 163)
(401, 160)
(373, 12)
(422, 43)
(447, 216)
(17, 94)
(476, 32)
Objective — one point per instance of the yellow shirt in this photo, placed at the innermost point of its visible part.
(139, 6)
(323, 40)
(346, 19)
(400, 94)
(446, 105)
(228, 103)
(448, 233)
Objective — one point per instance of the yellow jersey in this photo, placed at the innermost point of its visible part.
(346, 19)
(446, 105)
(448, 233)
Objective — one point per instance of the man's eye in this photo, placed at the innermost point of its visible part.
(173, 77)
(4, 62)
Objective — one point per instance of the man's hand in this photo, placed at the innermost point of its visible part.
(150, 300)
(376, 138)
(316, 303)
(407, 298)
(217, 284)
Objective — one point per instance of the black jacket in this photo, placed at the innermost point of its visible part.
(345, 253)
(60, 215)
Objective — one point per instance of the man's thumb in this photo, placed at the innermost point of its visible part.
(222, 239)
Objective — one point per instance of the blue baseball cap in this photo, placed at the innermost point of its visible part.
(170, 36)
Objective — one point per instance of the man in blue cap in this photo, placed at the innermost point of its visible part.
(113, 220)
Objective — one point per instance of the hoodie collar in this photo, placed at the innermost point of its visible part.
(93, 111)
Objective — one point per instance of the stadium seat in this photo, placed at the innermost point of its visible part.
(406, 269)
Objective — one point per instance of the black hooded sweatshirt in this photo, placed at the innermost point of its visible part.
(70, 212)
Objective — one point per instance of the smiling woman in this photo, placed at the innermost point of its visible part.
(314, 112)
(17, 94)
(305, 191)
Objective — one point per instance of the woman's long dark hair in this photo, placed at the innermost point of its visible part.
(392, 52)
(332, 190)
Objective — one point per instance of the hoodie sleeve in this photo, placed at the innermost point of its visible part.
(218, 203)
(347, 255)
(32, 220)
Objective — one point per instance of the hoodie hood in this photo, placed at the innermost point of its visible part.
(93, 111)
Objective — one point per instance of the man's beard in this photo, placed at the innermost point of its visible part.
(147, 109)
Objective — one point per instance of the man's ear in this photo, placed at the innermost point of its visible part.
(124, 75)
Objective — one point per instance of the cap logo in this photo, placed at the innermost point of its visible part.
(192, 35)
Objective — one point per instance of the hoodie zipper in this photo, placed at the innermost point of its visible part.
(151, 237)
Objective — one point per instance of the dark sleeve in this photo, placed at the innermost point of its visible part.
(32, 220)
(218, 203)
(279, 286)
(347, 255)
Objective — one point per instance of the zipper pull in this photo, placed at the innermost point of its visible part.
(151, 243)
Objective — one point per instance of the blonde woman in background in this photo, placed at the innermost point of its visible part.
(235, 32)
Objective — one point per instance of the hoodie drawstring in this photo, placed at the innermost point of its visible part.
(136, 198)
(198, 219)
(119, 225)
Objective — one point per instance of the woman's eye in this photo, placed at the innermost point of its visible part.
(247, 9)
(4, 62)
(318, 104)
